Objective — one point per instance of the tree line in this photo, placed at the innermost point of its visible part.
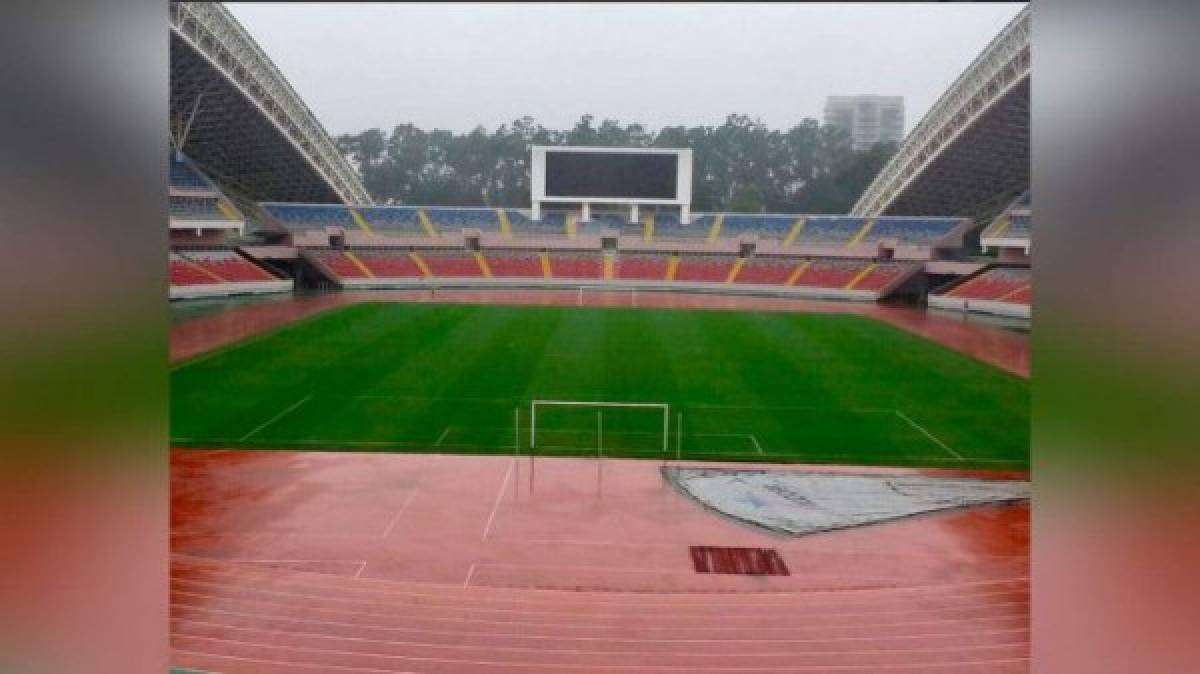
(739, 166)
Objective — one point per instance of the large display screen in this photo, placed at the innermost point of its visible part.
(611, 174)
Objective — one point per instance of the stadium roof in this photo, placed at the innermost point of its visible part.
(239, 120)
(969, 155)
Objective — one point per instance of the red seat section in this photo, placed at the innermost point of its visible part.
(451, 264)
(186, 274)
(642, 267)
(515, 264)
(879, 277)
(228, 266)
(389, 263)
(338, 263)
(767, 271)
(577, 265)
(830, 273)
(1005, 284)
(706, 268)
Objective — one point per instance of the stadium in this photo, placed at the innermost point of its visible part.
(605, 432)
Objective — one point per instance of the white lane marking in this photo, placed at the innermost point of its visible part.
(499, 497)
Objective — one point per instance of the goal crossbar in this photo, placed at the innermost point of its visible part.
(533, 405)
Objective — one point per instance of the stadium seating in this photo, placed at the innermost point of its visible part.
(999, 284)
(389, 263)
(517, 218)
(303, 217)
(766, 226)
(641, 267)
(827, 230)
(451, 263)
(552, 224)
(228, 265)
(184, 273)
(911, 231)
(195, 267)
(484, 219)
(339, 263)
(514, 264)
(767, 271)
(830, 273)
(1019, 226)
(704, 268)
(577, 265)
(609, 221)
(195, 208)
(879, 276)
(1013, 223)
(667, 226)
(394, 220)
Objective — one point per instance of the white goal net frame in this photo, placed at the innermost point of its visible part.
(599, 405)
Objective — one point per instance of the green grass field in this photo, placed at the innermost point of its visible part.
(818, 388)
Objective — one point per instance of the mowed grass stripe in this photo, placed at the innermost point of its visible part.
(808, 387)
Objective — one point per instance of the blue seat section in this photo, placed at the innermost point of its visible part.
(770, 226)
(1019, 226)
(184, 176)
(668, 227)
(828, 230)
(393, 219)
(301, 217)
(601, 222)
(517, 218)
(553, 223)
(918, 231)
(195, 208)
(484, 219)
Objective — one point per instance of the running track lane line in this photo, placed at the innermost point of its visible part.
(499, 497)
(277, 417)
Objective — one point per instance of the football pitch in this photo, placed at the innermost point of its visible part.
(729, 386)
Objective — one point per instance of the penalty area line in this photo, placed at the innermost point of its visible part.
(929, 435)
(438, 442)
(277, 417)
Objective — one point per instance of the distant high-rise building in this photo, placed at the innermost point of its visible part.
(869, 119)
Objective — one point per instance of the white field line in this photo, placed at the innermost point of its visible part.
(470, 572)
(749, 436)
(442, 437)
(499, 496)
(755, 441)
(277, 417)
(931, 436)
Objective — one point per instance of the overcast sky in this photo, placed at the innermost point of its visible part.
(455, 66)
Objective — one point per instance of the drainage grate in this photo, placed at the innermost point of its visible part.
(745, 561)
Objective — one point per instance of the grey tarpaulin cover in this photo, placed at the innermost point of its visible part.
(796, 503)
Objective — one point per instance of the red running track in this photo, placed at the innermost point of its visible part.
(312, 561)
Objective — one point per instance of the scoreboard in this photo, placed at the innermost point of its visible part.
(608, 175)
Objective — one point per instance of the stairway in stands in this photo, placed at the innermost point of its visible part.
(238, 617)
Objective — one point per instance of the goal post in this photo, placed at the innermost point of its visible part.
(658, 408)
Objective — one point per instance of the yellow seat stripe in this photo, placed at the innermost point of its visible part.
(737, 267)
(866, 229)
(859, 276)
(420, 265)
(798, 272)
